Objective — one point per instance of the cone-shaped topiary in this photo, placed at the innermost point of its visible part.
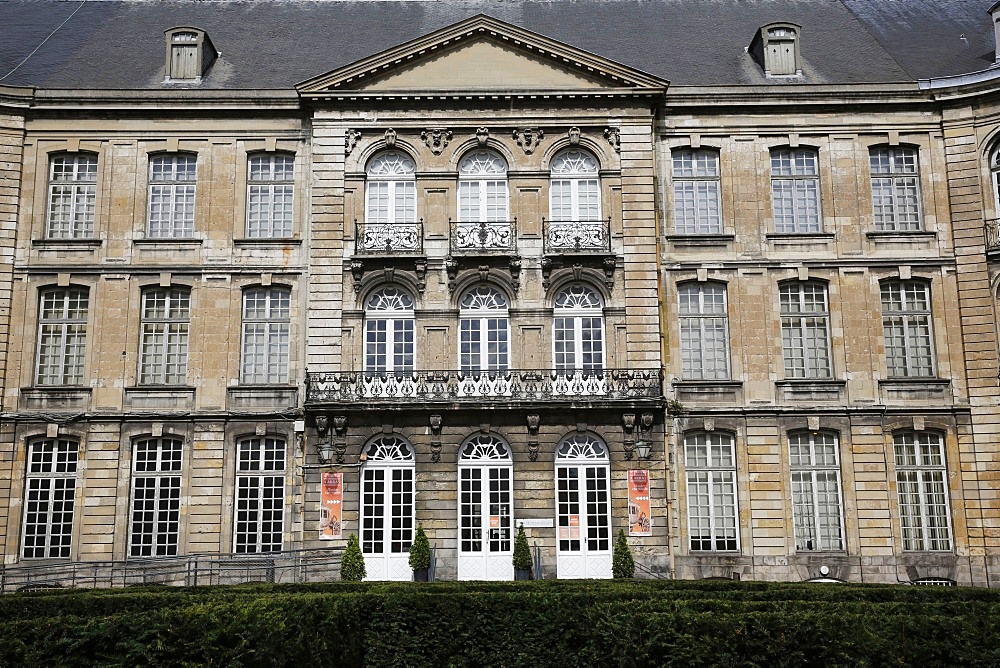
(420, 551)
(522, 555)
(352, 564)
(622, 564)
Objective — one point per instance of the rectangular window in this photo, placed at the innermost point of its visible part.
(163, 350)
(805, 331)
(260, 495)
(62, 337)
(172, 181)
(49, 500)
(906, 323)
(269, 196)
(710, 460)
(795, 191)
(266, 322)
(156, 497)
(816, 508)
(704, 332)
(697, 195)
(921, 483)
(389, 345)
(895, 189)
(72, 197)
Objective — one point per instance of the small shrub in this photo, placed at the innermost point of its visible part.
(420, 551)
(352, 564)
(522, 554)
(622, 563)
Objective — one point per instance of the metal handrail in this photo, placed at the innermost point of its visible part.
(388, 238)
(991, 232)
(483, 237)
(576, 236)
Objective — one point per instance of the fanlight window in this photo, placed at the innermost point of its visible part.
(578, 297)
(574, 192)
(582, 446)
(390, 299)
(484, 329)
(389, 449)
(482, 188)
(485, 448)
(574, 162)
(391, 165)
(482, 163)
(484, 298)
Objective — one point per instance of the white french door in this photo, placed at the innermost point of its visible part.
(387, 518)
(486, 522)
(583, 508)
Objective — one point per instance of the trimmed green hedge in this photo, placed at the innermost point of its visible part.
(528, 623)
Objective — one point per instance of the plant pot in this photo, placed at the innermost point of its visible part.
(420, 574)
(522, 573)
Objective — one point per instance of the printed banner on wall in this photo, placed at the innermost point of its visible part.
(331, 505)
(639, 521)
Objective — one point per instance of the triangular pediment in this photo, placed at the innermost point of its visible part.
(481, 54)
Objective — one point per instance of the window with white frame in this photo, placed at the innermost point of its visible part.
(266, 322)
(578, 329)
(697, 195)
(805, 330)
(392, 189)
(163, 348)
(156, 497)
(62, 336)
(389, 329)
(574, 188)
(710, 462)
(895, 188)
(49, 500)
(583, 495)
(482, 188)
(816, 504)
(485, 496)
(795, 190)
(72, 196)
(387, 499)
(922, 486)
(906, 323)
(260, 495)
(269, 195)
(172, 180)
(484, 330)
(704, 325)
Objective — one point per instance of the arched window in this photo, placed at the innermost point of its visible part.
(391, 214)
(922, 488)
(583, 507)
(574, 189)
(484, 330)
(389, 327)
(72, 196)
(62, 336)
(486, 521)
(266, 320)
(482, 188)
(387, 514)
(704, 324)
(270, 182)
(578, 329)
(260, 495)
(49, 498)
(156, 497)
(817, 512)
(710, 463)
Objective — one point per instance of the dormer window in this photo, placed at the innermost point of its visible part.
(189, 54)
(775, 47)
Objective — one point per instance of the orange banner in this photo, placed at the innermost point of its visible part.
(639, 520)
(331, 506)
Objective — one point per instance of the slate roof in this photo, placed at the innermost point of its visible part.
(274, 44)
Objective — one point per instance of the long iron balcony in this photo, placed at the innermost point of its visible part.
(531, 385)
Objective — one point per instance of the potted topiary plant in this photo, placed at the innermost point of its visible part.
(522, 556)
(420, 556)
(352, 563)
(622, 563)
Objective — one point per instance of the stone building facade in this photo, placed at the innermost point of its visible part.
(485, 274)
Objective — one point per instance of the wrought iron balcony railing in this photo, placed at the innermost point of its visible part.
(992, 232)
(514, 385)
(497, 236)
(388, 238)
(577, 236)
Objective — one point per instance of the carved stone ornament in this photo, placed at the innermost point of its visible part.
(357, 272)
(482, 135)
(435, 451)
(515, 272)
(340, 448)
(420, 266)
(451, 266)
(435, 424)
(610, 263)
(533, 422)
(351, 140)
(340, 425)
(528, 138)
(390, 138)
(574, 136)
(533, 450)
(322, 424)
(628, 421)
(436, 139)
(613, 135)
